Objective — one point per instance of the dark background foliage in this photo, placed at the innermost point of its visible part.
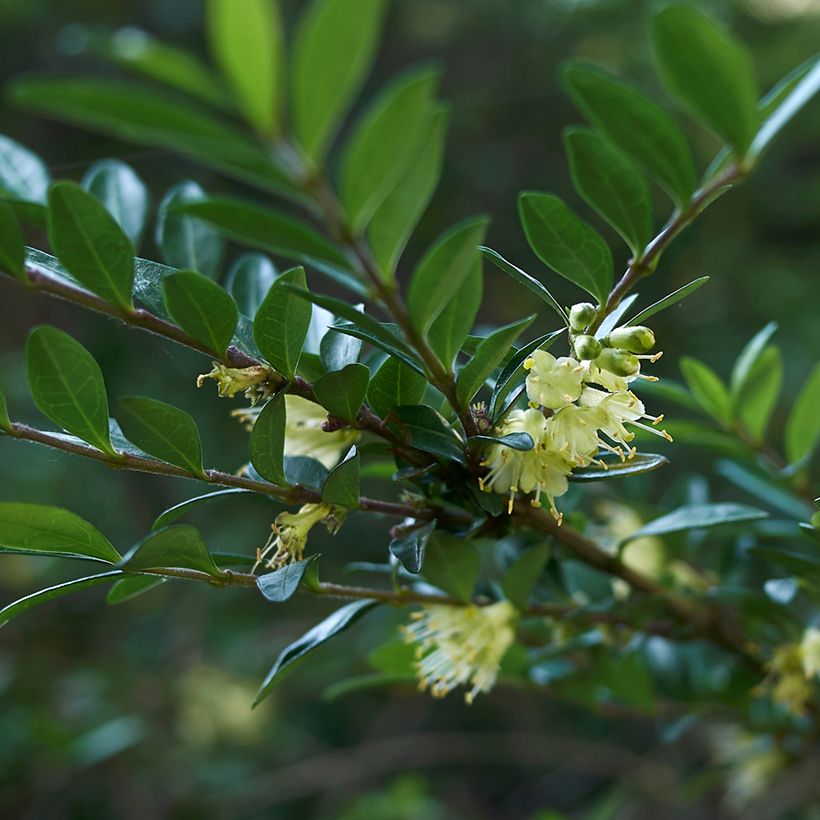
(143, 710)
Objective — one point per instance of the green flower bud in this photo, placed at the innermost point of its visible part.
(587, 347)
(581, 315)
(637, 339)
(618, 362)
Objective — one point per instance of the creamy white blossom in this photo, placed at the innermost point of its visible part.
(553, 382)
(810, 651)
(290, 531)
(305, 436)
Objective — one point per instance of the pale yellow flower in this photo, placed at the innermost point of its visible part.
(304, 435)
(290, 533)
(553, 382)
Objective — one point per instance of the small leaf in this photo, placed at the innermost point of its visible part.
(177, 547)
(331, 626)
(162, 431)
(612, 185)
(23, 175)
(803, 425)
(713, 75)
(281, 585)
(12, 243)
(246, 40)
(409, 548)
(67, 385)
(520, 579)
(267, 444)
(90, 243)
(5, 421)
(126, 589)
(201, 308)
(423, 428)
(615, 468)
(566, 243)
(178, 510)
(338, 350)
(187, 243)
(758, 395)
(515, 441)
(122, 192)
(249, 280)
(282, 322)
(708, 389)
(697, 516)
(443, 270)
(333, 51)
(746, 361)
(35, 528)
(764, 486)
(306, 472)
(342, 392)
(341, 487)
(394, 384)
(452, 564)
(668, 301)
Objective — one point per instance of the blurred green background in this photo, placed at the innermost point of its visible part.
(143, 710)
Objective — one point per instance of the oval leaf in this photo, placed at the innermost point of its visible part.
(341, 487)
(178, 547)
(280, 586)
(249, 280)
(23, 175)
(615, 468)
(452, 564)
(342, 392)
(267, 444)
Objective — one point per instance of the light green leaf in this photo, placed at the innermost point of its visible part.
(178, 547)
(67, 385)
(708, 389)
(281, 585)
(202, 309)
(520, 579)
(409, 549)
(178, 510)
(758, 396)
(803, 425)
(12, 243)
(5, 422)
(122, 192)
(267, 444)
(23, 175)
(712, 75)
(747, 360)
(394, 384)
(566, 243)
(162, 431)
(615, 468)
(342, 392)
(90, 244)
(333, 51)
(612, 185)
(249, 281)
(246, 40)
(341, 487)
(126, 589)
(452, 564)
(668, 301)
(36, 528)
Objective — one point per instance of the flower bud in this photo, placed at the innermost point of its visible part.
(581, 315)
(618, 362)
(637, 339)
(587, 347)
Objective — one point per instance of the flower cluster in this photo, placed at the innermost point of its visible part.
(794, 668)
(461, 646)
(579, 406)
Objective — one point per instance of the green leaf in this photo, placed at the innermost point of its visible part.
(801, 565)
(267, 444)
(566, 243)
(122, 192)
(184, 507)
(331, 626)
(246, 40)
(423, 428)
(668, 301)
(162, 431)
(341, 487)
(443, 271)
(612, 185)
(712, 75)
(5, 422)
(90, 243)
(23, 175)
(281, 585)
(758, 396)
(515, 441)
(126, 589)
(12, 243)
(696, 516)
(489, 355)
(615, 468)
(637, 125)
(67, 385)
(177, 547)
(249, 280)
(409, 548)
(202, 309)
(746, 361)
(395, 219)
(384, 143)
(337, 350)
(30, 601)
(36, 528)
(333, 51)
(452, 564)
(342, 392)
(394, 384)
(520, 579)
(281, 324)
(764, 486)
(803, 425)
(306, 472)
(708, 389)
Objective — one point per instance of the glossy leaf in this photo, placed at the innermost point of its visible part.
(305, 471)
(90, 244)
(708, 389)
(337, 350)
(746, 361)
(566, 243)
(249, 281)
(184, 507)
(23, 175)
(281, 585)
(803, 425)
(425, 429)
(267, 444)
(520, 579)
(615, 468)
(177, 547)
(758, 396)
(668, 301)
(341, 487)
(394, 384)
(67, 385)
(12, 243)
(122, 192)
(409, 548)
(452, 564)
(126, 589)
(342, 392)
(515, 441)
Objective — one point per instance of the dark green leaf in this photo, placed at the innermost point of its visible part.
(342, 392)
(423, 428)
(184, 507)
(712, 75)
(35, 528)
(201, 308)
(708, 389)
(249, 280)
(409, 548)
(394, 384)
(758, 395)
(443, 271)
(452, 564)
(341, 487)
(305, 471)
(90, 243)
(612, 185)
(267, 444)
(12, 244)
(385, 340)
(127, 589)
(803, 425)
(615, 468)
(520, 579)
(331, 626)
(23, 175)
(177, 547)
(338, 350)
(67, 385)
(763, 486)
(122, 192)
(668, 301)
(747, 359)
(515, 441)
(803, 566)
(281, 585)
(333, 51)
(5, 422)
(162, 431)
(282, 322)
(566, 243)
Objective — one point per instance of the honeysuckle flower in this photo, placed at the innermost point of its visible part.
(810, 651)
(573, 433)
(305, 434)
(603, 378)
(618, 410)
(553, 382)
(791, 686)
(233, 380)
(461, 646)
